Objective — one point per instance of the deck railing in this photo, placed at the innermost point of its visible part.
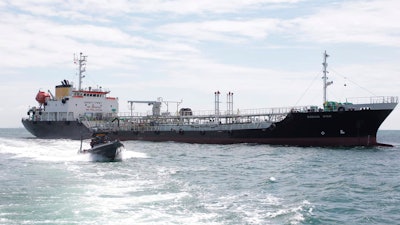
(373, 100)
(225, 114)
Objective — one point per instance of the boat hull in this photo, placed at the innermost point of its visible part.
(339, 128)
(57, 129)
(109, 151)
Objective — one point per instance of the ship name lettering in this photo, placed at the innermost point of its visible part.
(313, 117)
(327, 116)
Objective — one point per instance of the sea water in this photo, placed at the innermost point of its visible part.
(47, 182)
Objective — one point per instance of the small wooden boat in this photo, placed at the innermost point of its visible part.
(103, 147)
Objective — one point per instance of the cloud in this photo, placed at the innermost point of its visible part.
(351, 21)
(369, 22)
(28, 41)
(210, 6)
(110, 28)
(91, 9)
(222, 30)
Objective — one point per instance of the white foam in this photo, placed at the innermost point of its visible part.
(53, 150)
(129, 154)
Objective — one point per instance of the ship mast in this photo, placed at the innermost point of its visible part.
(217, 93)
(325, 78)
(82, 67)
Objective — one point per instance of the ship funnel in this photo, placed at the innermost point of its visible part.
(63, 90)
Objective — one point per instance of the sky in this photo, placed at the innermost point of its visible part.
(267, 52)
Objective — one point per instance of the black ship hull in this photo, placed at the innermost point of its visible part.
(339, 128)
(57, 129)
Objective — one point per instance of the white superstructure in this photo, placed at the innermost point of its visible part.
(71, 104)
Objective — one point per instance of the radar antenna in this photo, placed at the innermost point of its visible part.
(81, 67)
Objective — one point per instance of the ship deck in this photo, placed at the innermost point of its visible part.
(225, 120)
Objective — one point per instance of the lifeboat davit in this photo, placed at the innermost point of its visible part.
(42, 97)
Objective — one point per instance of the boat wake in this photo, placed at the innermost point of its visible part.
(59, 150)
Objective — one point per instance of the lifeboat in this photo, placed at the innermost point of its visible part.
(42, 97)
